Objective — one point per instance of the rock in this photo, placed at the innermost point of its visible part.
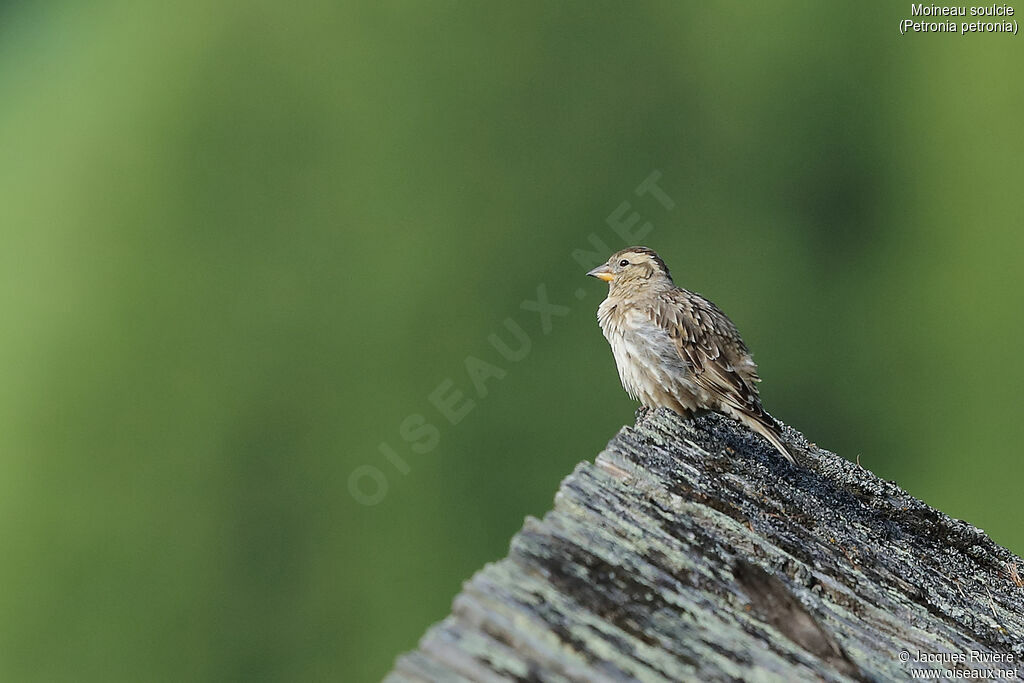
(693, 551)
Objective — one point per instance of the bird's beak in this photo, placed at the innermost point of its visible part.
(602, 272)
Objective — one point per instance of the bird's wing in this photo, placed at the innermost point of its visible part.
(712, 348)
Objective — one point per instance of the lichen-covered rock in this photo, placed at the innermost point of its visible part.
(692, 551)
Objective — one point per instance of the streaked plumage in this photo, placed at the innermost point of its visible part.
(674, 348)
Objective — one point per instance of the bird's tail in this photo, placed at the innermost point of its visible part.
(769, 429)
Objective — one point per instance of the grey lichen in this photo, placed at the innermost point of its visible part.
(692, 551)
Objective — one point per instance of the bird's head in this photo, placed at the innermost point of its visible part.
(633, 267)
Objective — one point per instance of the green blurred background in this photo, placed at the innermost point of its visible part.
(244, 241)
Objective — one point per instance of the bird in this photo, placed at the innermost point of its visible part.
(676, 349)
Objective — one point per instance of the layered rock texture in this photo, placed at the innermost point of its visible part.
(692, 551)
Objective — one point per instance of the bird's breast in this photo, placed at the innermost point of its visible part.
(647, 358)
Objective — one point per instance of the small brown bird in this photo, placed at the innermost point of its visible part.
(676, 349)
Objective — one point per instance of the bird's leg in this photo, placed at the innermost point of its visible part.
(642, 412)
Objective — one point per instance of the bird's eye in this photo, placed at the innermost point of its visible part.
(624, 263)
